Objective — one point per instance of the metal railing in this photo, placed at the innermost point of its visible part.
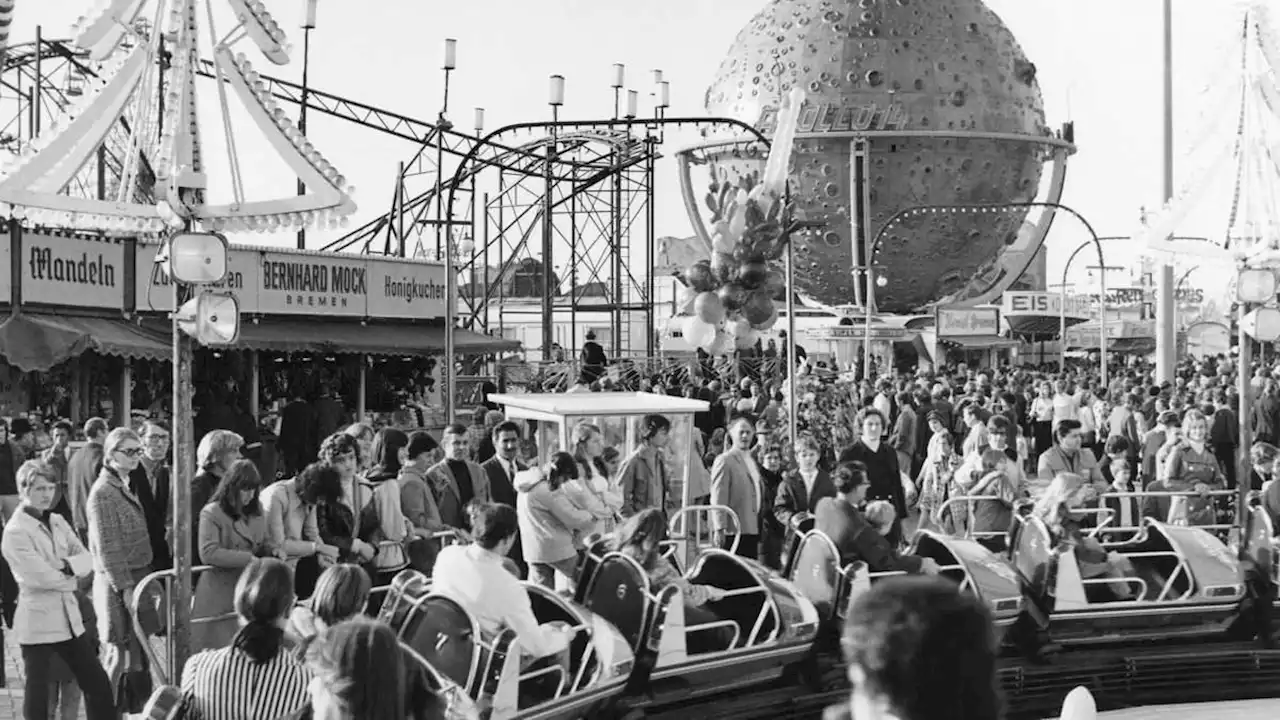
(165, 672)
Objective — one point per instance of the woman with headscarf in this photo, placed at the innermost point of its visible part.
(254, 678)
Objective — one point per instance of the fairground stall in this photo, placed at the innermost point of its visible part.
(88, 333)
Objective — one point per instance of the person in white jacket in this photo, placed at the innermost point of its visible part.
(550, 518)
(593, 489)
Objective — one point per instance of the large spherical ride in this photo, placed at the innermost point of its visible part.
(948, 67)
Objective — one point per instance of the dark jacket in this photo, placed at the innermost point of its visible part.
(884, 478)
(857, 539)
(155, 508)
(792, 497)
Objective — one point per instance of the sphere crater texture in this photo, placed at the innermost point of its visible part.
(894, 65)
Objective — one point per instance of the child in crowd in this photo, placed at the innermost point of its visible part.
(881, 515)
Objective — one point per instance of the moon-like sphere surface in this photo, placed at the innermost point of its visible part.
(899, 70)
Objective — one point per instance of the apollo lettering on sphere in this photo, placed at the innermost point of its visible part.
(77, 270)
(410, 289)
(831, 117)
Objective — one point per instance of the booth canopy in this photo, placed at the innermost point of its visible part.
(288, 335)
(979, 342)
(36, 342)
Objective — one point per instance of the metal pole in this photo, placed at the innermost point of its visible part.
(1244, 371)
(1062, 322)
(548, 227)
(866, 331)
(37, 90)
(450, 290)
(302, 117)
(184, 451)
(1166, 340)
(793, 423)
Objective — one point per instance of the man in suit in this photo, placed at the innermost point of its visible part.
(857, 539)
(501, 470)
(57, 457)
(82, 471)
(736, 484)
(150, 482)
(456, 481)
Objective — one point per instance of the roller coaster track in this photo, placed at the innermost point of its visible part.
(1122, 677)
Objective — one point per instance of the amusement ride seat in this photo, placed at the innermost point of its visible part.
(815, 571)
(446, 636)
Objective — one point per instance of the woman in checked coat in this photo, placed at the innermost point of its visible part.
(121, 550)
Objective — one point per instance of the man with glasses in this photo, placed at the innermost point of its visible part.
(150, 482)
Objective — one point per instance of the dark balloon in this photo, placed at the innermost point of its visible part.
(758, 308)
(732, 296)
(700, 277)
(753, 274)
(723, 267)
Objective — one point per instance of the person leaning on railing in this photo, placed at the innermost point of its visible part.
(290, 507)
(46, 557)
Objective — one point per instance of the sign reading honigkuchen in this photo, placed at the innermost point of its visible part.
(283, 282)
(70, 271)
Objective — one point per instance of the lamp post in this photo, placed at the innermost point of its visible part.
(555, 99)
(444, 239)
(873, 280)
(308, 24)
(1062, 317)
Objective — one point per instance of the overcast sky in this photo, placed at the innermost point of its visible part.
(1098, 61)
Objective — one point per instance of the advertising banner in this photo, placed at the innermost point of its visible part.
(72, 272)
(284, 282)
(968, 321)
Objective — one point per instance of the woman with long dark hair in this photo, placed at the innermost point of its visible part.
(379, 517)
(233, 531)
(254, 678)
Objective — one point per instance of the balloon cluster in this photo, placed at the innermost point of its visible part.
(730, 294)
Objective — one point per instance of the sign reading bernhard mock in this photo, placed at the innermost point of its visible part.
(281, 282)
(72, 271)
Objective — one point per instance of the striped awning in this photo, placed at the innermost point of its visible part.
(6, 20)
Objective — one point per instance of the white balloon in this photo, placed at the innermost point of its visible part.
(721, 242)
(698, 333)
(722, 344)
(737, 327)
(1079, 705)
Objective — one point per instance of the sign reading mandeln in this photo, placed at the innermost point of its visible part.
(282, 282)
(73, 272)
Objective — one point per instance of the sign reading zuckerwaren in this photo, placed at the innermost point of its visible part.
(72, 272)
(953, 322)
(277, 282)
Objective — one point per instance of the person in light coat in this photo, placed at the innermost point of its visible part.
(549, 519)
(46, 558)
(736, 484)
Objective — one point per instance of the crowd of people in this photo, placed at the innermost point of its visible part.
(956, 450)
